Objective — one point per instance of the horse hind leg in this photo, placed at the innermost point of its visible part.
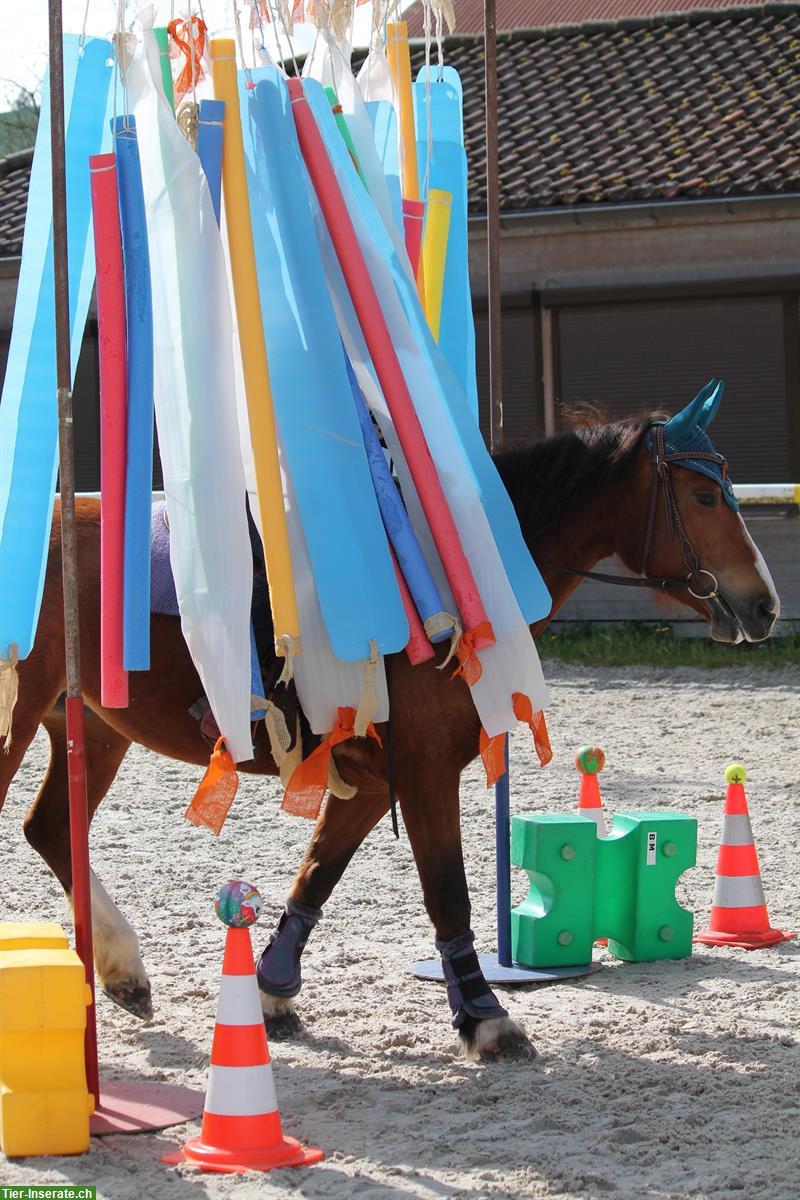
(117, 960)
(430, 807)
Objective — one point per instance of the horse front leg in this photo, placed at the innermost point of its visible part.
(339, 831)
(430, 807)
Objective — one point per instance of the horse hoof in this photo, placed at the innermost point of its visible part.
(134, 997)
(280, 1017)
(498, 1038)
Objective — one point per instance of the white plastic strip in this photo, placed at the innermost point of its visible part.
(239, 1002)
(241, 1091)
(196, 408)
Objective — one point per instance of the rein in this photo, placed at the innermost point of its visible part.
(662, 475)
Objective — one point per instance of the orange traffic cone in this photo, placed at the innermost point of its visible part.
(241, 1128)
(590, 761)
(739, 910)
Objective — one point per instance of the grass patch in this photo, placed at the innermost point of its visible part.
(632, 643)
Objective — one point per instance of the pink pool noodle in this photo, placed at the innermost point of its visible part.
(413, 219)
(113, 424)
(389, 371)
(419, 648)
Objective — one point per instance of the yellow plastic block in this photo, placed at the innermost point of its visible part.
(44, 1101)
(434, 255)
(32, 935)
(247, 298)
(33, 1123)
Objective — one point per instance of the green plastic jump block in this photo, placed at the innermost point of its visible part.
(583, 887)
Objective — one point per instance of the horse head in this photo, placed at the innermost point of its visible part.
(694, 530)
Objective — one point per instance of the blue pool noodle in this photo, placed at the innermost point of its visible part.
(139, 470)
(424, 592)
(209, 147)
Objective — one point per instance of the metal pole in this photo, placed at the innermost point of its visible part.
(502, 787)
(76, 757)
(493, 234)
(502, 833)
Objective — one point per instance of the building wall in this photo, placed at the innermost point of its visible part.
(636, 308)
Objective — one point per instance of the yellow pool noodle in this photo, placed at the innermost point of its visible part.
(400, 67)
(260, 411)
(434, 254)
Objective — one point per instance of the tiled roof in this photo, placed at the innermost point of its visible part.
(15, 174)
(538, 14)
(684, 107)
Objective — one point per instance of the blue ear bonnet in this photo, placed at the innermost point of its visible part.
(686, 431)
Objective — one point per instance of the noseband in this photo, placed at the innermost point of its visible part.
(662, 478)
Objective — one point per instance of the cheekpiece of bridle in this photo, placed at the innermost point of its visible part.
(662, 462)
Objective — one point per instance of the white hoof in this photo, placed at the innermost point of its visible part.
(276, 1007)
(117, 961)
(498, 1038)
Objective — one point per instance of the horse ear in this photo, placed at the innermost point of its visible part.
(700, 412)
(711, 403)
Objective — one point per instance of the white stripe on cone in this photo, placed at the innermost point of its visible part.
(736, 830)
(239, 1003)
(241, 1091)
(738, 891)
(598, 816)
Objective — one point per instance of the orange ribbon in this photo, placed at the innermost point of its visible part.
(216, 792)
(309, 781)
(469, 668)
(493, 753)
(523, 711)
(190, 38)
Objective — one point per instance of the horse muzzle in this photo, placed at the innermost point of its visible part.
(735, 619)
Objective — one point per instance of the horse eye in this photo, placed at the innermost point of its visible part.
(707, 499)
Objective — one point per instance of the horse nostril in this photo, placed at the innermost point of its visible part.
(765, 609)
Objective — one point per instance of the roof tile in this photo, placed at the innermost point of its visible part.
(682, 107)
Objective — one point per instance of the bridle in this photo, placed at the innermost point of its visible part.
(662, 477)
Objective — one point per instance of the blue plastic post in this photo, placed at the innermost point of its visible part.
(502, 820)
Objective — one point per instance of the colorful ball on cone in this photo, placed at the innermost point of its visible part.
(238, 904)
(590, 760)
(735, 773)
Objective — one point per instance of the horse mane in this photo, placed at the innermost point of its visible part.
(549, 480)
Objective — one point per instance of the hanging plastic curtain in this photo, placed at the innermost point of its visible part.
(511, 666)
(447, 171)
(330, 67)
(324, 683)
(28, 412)
(384, 131)
(319, 428)
(196, 408)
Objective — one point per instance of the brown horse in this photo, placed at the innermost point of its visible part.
(580, 496)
